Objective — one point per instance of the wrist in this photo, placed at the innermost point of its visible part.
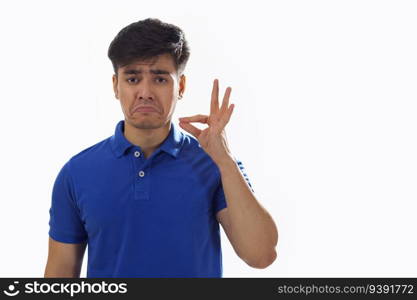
(225, 162)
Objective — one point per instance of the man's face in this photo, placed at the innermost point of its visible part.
(148, 91)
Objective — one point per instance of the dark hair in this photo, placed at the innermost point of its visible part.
(144, 40)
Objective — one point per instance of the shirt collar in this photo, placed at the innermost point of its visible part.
(171, 145)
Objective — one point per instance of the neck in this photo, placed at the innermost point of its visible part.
(147, 139)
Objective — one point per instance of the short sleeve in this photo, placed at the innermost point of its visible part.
(219, 198)
(65, 224)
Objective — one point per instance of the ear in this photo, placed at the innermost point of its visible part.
(116, 93)
(182, 85)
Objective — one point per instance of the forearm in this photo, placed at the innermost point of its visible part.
(254, 232)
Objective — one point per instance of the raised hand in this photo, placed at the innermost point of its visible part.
(213, 138)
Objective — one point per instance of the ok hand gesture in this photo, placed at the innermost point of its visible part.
(213, 138)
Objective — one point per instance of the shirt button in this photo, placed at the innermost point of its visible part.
(137, 153)
(141, 173)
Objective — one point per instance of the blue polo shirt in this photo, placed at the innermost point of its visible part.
(142, 217)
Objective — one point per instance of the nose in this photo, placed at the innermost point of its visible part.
(145, 90)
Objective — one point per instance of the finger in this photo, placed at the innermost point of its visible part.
(191, 129)
(226, 97)
(214, 105)
(196, 118)
(227, 116)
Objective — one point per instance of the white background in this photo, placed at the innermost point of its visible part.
(325, 95)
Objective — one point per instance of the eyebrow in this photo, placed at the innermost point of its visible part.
(139, 71)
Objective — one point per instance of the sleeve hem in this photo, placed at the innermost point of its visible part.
(60, 237)
(220, 208)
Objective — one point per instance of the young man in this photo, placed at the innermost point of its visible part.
(149, 199)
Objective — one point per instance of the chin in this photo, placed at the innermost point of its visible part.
(147, 124)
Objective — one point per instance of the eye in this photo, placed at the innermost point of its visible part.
(161, 80)
(128, 80)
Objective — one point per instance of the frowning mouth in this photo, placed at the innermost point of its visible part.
(145, 109)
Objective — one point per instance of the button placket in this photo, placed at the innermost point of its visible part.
(141, 177)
